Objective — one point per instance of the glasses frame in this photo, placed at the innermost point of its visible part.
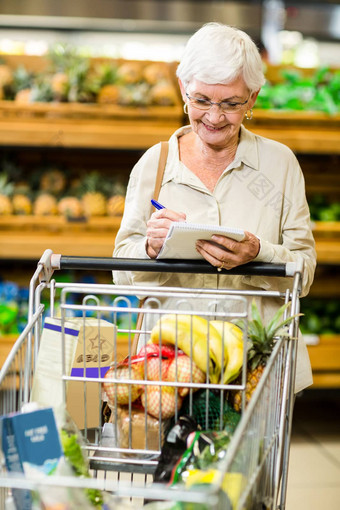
(212, 103)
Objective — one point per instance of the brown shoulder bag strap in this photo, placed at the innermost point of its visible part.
(161, 167)
(159, 179)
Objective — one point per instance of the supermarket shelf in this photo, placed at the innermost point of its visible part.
(26, 237)
(304, 132)
(84, 126)
(116, 127)
(325, 360)
(327, 241)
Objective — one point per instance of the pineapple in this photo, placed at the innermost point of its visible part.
(53, 181)
(45, 205)
(21, 204)
(59, 85)
(130, 72)
(70, 207)
(261, 344)
(116, 200)
(115, 205)
(154, 73)
(108, 94)
(6, 189)
(163, 94)
(6, 79)
(23, 96)
(93, 197)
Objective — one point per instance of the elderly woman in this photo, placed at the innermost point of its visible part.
(218, 172)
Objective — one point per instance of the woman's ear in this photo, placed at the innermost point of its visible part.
(182, 89)
(253, 98)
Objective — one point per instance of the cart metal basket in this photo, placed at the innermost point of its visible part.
(258, 452)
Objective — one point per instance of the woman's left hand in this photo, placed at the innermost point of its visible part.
(226, 253)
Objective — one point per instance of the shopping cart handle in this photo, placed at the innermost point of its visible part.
(171, 266)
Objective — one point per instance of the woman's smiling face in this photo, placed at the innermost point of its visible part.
(215, 127)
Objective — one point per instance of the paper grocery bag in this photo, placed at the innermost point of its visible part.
(93, 356)
(89, 350)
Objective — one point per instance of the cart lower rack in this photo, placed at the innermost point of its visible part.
(127, 406)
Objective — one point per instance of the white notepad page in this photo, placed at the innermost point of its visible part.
(181, 239)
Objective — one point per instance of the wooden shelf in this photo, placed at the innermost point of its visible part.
(327, 241)
(74, 125)
(325, 360)
(27, 237)
(84, 126)
(304, 132)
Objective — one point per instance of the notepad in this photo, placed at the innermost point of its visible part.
(182, 236)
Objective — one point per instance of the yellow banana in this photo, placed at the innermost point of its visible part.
(232, 336)
(182, 329)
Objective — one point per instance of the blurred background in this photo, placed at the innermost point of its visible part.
(86, 87)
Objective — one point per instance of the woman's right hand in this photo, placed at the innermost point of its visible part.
(157, 229)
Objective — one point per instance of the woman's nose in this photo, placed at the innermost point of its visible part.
(215, 113)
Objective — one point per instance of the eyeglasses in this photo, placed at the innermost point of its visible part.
(206, 104)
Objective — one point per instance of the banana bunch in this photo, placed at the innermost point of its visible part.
(232, 338)
(215, 346)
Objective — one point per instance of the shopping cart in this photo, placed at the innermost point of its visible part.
(259, 448)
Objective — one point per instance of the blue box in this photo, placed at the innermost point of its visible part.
(31, 446)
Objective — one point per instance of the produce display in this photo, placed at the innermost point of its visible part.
(318, 92)
(72, 77)
(320, 316)
(323, 209)
(52, 191)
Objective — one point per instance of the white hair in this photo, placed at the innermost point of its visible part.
(219, 53)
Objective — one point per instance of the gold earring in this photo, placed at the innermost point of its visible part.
(185, 108)
(249, 114)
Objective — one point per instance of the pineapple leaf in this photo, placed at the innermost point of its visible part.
(279, 327)
(273, 324)
(255, 313)
(256, 331)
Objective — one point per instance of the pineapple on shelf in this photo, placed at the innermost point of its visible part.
(6, 189)
(261, 344)
(70, 207)
(93, 196)
(154, 73)
(6, 79)
(163, 94)
(22, 204)
(20, 88)
(45, 205)
(116, 200)
(71, 70)
(130, 72)
(60, 86)
(53, 180)
(104, 82)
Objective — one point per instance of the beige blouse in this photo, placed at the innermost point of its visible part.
(261, 191)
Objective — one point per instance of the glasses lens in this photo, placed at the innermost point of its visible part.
(201, 104)
(231, 107)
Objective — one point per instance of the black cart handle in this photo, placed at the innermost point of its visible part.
(51, 262)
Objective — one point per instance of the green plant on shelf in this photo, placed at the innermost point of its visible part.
(319, 92)
(320, 316)
(323, 209)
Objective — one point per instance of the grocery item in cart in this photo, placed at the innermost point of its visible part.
(88, 351)
(174, 446)
(31, 446)
(136, 429)
(262, 341)
(192, 334)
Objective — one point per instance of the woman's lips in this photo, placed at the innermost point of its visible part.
(212, 128)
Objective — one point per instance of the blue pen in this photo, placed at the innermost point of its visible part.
(157, 204)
